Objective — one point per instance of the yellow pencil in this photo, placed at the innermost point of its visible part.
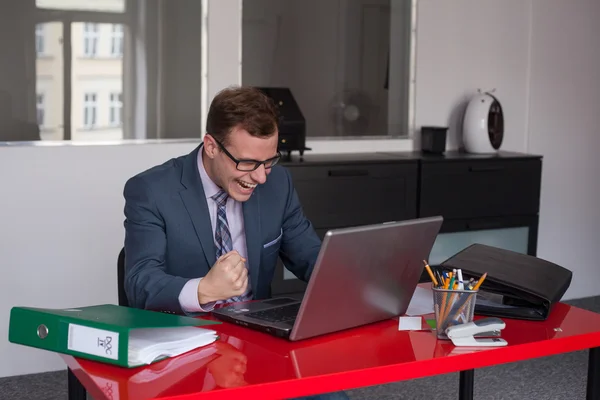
(435, 282)
(480, 281)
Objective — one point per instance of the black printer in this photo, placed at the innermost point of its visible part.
(292, 125)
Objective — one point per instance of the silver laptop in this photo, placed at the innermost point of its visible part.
(362, 275)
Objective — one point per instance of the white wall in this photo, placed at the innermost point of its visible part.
(563, 126)
(463, 45)
(62, 228)
(543, 58)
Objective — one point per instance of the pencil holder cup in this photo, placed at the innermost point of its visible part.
(452, 307)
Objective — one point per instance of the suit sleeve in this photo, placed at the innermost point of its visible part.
(300, 244)
(147, 284)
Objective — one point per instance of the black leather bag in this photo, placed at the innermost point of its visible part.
(517, 285)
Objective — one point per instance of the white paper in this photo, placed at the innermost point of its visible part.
(410, 323)
(149, 344)
(421, 302)
(98, 342)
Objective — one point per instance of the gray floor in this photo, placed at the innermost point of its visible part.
(561, 377)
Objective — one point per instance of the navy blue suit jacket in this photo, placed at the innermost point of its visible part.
(169, 238)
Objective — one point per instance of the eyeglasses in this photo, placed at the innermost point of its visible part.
(249, 165)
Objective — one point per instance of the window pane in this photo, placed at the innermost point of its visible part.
(88, 5)
(345, 62)
(97, 82)
(49, 80)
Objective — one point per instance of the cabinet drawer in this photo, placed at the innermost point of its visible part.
(340, 196)
(480, 188)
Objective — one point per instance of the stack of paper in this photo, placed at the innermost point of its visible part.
(147, 345)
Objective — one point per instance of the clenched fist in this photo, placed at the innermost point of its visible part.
(228, 277)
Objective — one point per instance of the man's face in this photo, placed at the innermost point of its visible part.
(241, 146)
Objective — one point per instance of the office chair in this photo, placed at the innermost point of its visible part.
(121, 279)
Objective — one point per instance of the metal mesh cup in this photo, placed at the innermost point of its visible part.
(452, 307)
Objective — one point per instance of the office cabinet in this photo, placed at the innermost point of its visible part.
(340, 195)
(489, 199)
(479, 188)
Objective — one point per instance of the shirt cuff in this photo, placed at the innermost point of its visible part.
(188, 298)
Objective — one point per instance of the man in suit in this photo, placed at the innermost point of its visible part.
(208, 227)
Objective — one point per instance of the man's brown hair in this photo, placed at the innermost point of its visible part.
(243, 106)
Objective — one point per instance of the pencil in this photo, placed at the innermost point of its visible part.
(430, 273)
(480, 281)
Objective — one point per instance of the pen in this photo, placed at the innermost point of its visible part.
(461, 285)
(440, 279)
(452, 279)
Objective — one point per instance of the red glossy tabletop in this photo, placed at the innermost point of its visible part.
(244, 362)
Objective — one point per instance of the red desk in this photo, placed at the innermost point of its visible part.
(248, 364)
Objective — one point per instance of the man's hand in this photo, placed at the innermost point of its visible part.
(228, 277)
(228, 370)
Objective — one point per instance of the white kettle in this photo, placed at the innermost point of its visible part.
(483, 124)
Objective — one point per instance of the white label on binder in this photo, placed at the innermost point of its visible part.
(97, 342)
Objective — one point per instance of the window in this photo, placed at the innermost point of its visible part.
(116, 41)
(91, 49)
(49, 82)
(78, 73)
(116, 109)
(89, 110)
(90, 39)
(360, 85)
(40, 109)
(39, 39)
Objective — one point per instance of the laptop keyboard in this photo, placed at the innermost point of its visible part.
(279, 314)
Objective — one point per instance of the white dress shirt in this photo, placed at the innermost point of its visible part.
(188, 298)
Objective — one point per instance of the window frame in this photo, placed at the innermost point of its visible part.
(90, 39)
(115, 109)
(40, 108)
(40, 40)
(116, 41)
(90, 106)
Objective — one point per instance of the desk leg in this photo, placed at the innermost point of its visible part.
(465, 385)
(593, 378)
(75, 388)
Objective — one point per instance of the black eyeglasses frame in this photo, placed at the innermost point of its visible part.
(267, 163)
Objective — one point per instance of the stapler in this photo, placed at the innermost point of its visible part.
(465, 334)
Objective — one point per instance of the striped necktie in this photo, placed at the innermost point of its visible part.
(222, 234)
(223, 240)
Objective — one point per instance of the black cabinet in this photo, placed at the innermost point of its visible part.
(493, 199)
(344, 191)
(480, 188)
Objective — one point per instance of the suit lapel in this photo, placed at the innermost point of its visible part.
(195, 203)
(252, 229)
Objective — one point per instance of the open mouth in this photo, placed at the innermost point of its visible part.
(245, 185)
